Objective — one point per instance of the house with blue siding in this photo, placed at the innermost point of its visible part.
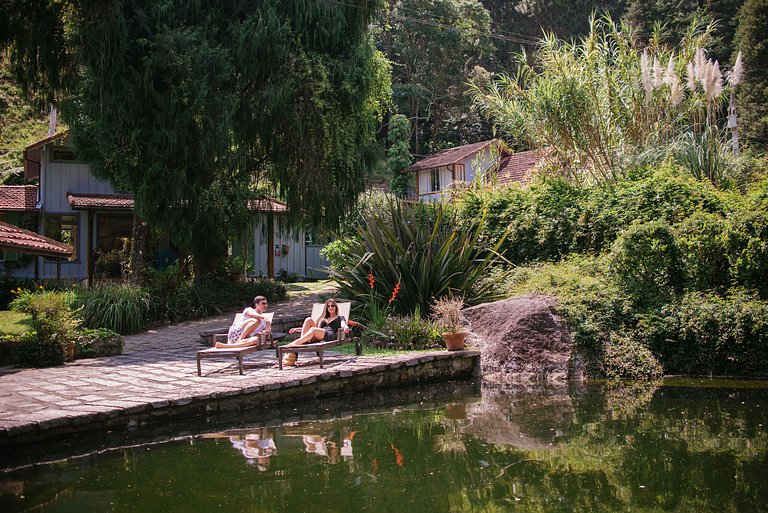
(438, 175)
(71, 205)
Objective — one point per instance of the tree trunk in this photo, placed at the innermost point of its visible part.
(137, 261)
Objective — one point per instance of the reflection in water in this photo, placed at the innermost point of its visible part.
(257, 445)
(643, 447)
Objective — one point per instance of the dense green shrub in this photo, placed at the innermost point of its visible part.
(706, 334)
(540, 220)
(92, 343)
(663, 194)
(336, 253)
(419, 248)
(176, 298)
(647, 263)
(10, 287)
(703, 241)
(748, 251)
(552, 218)
(54, 323)
(408, 332)
(120, 307)
(624, 357)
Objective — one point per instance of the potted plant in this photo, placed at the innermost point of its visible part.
(446, 311)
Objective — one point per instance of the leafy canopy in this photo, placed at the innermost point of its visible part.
(189, 105)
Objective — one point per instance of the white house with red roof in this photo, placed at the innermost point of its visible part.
(72, 206)
(491, 161)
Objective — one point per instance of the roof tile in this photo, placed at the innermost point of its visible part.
(20, 198)
(448, 157)
(518, 166)
(13, 238)
(83, 201)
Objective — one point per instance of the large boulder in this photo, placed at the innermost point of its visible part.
(523, 340)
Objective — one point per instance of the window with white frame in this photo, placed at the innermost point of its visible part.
(63, 228)
(435, 180)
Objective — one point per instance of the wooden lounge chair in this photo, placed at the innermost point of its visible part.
(265, 341)
(320, 347)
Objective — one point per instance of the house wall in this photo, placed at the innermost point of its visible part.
(302, 258)
(479, 163)
(56, 180)
(425, 183)
(467, 170)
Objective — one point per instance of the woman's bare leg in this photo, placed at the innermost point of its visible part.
(309, 332)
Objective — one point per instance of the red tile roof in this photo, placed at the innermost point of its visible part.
(81, 201)
(449, 156)
(13, 238)
(267, 205)
(21, 198)
(518, 166)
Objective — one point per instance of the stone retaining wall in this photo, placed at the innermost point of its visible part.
(367, 374)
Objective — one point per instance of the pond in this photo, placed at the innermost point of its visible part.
(684, 445)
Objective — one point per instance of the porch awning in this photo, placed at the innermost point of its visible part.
(83, 201)
(13, 238)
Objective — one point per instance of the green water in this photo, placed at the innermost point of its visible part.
(689, 446)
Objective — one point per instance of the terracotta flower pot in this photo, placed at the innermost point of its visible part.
(69, 351)
(454, 341)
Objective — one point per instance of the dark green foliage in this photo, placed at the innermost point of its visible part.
(399, 156)
(647, 263)
(122, 308)
(187, 105)
(752, 93)
(626, 358)
(748, 251)
(92, 343)
(706, 334)
(525, 22)
(703, 241)
(37, 353)
(431, 65)
(420, 248)
(673, 17)
(407, 332)
(554, 218)
(54, 323)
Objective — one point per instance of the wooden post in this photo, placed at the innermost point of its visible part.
(89, 249)
(270, 245)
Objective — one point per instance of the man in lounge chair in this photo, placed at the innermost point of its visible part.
(245, 331)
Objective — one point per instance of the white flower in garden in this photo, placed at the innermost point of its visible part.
(734, 76)
(691, 77)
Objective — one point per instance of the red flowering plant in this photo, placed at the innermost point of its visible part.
(375, 311)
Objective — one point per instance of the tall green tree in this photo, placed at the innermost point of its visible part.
(399, 156)
(752, 40)
(188, 105)
(434, 45)
(670, 20)
(518, 24)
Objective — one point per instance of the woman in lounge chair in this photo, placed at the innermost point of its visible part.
(246, 332)
(326, 327)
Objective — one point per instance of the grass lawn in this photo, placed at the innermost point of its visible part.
(14, 323)
(305, 288)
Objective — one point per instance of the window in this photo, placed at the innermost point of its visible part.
(63, 228)
(63, 154)
(435, 179)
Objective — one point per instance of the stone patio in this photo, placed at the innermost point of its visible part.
(156, 379)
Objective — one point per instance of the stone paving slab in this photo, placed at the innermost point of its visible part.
(157, 374)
